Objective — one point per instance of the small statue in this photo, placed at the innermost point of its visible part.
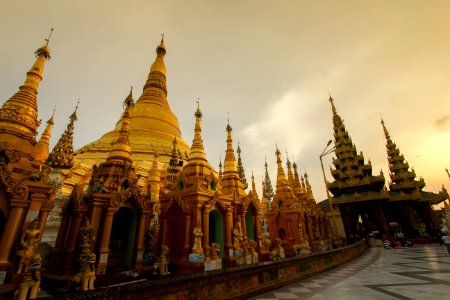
(197, 249)
(215, 249)
(253, 253)
(278, 251)
(163, 261)
(29, 244)
(87, 257)
(30, 281)
(237, 232)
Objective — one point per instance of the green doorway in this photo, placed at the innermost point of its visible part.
(216, 229)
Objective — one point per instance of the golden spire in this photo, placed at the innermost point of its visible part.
(230, 159)
(18, 114)
(267, 183)
(281, 176)
(62, 154)
(41, 149)
(121, 148)
(386, 133)
(197, 152)
(291, 179)
(253, 184)
(297, 184)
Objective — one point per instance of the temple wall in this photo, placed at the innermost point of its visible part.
(234, 283)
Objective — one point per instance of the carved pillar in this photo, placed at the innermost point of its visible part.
(42, 220)
(96, 214)
(164, 233)
(244, 226)
(229, 229)
(10, 232)
(206, 228)
(71, 241)
(187, 240)
(140, 247)
(104, 242)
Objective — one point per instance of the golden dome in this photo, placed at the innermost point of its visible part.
(152, 124)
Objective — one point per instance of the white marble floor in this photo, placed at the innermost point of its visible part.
(419, 272)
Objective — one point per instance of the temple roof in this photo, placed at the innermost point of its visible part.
(351, 173)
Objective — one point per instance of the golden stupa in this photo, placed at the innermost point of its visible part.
(153, 125)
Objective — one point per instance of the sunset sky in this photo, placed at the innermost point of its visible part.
(270, 64)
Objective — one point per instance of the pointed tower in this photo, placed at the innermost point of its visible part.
(197, 165)
(41, 149)
(402, 179)
(240, 168)
(19, 114)
(267, 187)
(62, 154)
(230, 180)
(291, 179)
(284, 196)
(175, 164)
(351, 173)
(152, 124)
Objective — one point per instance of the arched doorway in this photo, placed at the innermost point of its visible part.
(282, 233)
(123, 235)
(216, 229)
(250, 225)
(175, 233)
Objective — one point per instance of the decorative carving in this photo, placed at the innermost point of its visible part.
(29, 243)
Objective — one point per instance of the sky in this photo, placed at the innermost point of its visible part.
(270, 64)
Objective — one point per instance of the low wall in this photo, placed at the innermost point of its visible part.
(233, 283)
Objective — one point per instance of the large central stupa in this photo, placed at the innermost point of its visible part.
(153, 125)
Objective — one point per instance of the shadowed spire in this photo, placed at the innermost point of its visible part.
(62, 154)
(268, 190)
(240, 168)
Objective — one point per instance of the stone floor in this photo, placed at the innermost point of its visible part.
(419, 272)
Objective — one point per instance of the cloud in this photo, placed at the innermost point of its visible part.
(443, 123)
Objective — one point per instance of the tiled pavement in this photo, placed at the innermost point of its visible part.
(419, 272)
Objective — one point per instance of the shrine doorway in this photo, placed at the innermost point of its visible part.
(175, 233)
(122, 240)
(282, 234)
(250, 224)
(216, 229)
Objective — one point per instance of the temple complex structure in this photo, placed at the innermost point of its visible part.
(141, 199)
(365, 204)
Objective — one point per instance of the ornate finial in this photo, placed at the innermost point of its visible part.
(198, 112)
(49, 36)
(229, 129)
(162, 37)
(129, 101)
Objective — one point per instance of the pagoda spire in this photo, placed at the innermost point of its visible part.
(155, 89)
(281, 176)
(268, 190)
(402, 179)
(41, 149)
(230, 159)
(19, 114)
(297, 184)
(121, 148)
(62, 154)
(231, 180)
(197, 152)
(291, 179)
(240, 168)
(174, 165)
(220, 167)
(351, 172)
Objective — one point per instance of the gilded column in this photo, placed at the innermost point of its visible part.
(205, 228)
(244, 226)
(10, 232)
(187, 240)
(229, 229)
(140, 241)
(104, 242)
